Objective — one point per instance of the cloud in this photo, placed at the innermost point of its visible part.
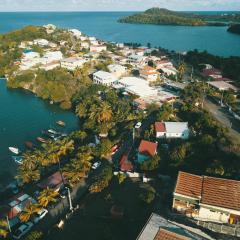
(116, 5)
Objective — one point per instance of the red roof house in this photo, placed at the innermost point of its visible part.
(125, 164)
(146, 150)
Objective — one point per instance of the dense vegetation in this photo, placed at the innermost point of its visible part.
(235, 28)
(230, 66)
(162, 16)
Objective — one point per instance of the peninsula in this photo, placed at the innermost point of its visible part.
(235, 28)
(162, 16)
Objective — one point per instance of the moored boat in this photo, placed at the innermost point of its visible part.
(52, 131)
(42, 140)
(14, 150)
(18, 159)
(61, 123)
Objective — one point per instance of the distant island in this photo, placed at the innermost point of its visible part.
(235, 28)
(161, 16)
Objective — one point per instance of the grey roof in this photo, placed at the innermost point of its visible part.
(176, 127)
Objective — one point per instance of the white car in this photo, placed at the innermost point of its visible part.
(138, 125)
(96, 165)
(40, 215)
(22, 230)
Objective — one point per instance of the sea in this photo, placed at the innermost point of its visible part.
(23, 116)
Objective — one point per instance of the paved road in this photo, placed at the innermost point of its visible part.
(224, 117)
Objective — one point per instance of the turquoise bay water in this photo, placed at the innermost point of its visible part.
(22, 118)
(104, 25)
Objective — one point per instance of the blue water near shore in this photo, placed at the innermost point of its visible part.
(104, 25)
(22, 118)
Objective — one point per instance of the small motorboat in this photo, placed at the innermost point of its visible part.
(61, 123)
(42, 140)
(29, 145)
(14, 150)
(52, 131)
(18, 159)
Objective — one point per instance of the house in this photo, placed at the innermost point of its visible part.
(117, 70)
(137, 60)
(149, 73)
(41, 42)
(207, 198)
(76, 33)
(98, 48)
(50, 28)
(52, 56)
(172, 130)
(169, 71)
(164, 63)
(55, 181)
(51, 65)
(72, 63)
(223, 86)
(146, 151)
(159, 228)
(120, 45)
(211, 73)
(85, 44)
(125, 164)
(104, 78)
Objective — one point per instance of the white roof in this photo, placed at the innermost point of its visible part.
(176, 127)
(105, 76)
(73, 60)
(222, 85)
(133, 81)
(116, 68)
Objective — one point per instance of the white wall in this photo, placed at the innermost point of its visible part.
(213, 215)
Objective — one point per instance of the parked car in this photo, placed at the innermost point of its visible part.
(96, 165)
(138, 125)
(22, 230)
(63, 192)
(40, 215)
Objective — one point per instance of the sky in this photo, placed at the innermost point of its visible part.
(118, 5)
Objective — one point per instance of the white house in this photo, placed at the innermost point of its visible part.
(50, 66)
(83, 38)
(149, 73)
(50, 28)
(172, 130)
(104, 78)
(207, 198)
(85, 44)
(72, 63)
(76, 33)
(53, 56)
(30, 55)
(169, 71)
(117, 70)
(137, 60)
(98, 48)
(163, 63)
(41, 42)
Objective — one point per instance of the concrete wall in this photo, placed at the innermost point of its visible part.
(205, 213)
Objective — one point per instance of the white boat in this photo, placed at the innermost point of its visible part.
(17, 159)
(14, 150)
(52, 131)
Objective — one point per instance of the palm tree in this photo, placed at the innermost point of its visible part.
(29, 161)
(182, 69)
(47, 196)
(65, 147)
(105, 113)
(28, 211)
(27, 176)
(3, 228)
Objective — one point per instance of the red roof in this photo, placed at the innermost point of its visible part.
(212, 191)
(147, 148)
(160, 127)
(125, 165)
(212, 71)
(221, 192)
(54, 181)
(164, 234)
(189, 185)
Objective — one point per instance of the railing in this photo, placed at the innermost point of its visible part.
(221, 228)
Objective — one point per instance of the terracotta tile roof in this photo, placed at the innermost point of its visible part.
(160, 127)
(164, 234)
(147, 148)
(212, 191)
(125, 165)
(189, 185)
(221, 192)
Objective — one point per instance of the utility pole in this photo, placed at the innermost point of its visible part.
(9, 227)
(69, 199)
(133, 135)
